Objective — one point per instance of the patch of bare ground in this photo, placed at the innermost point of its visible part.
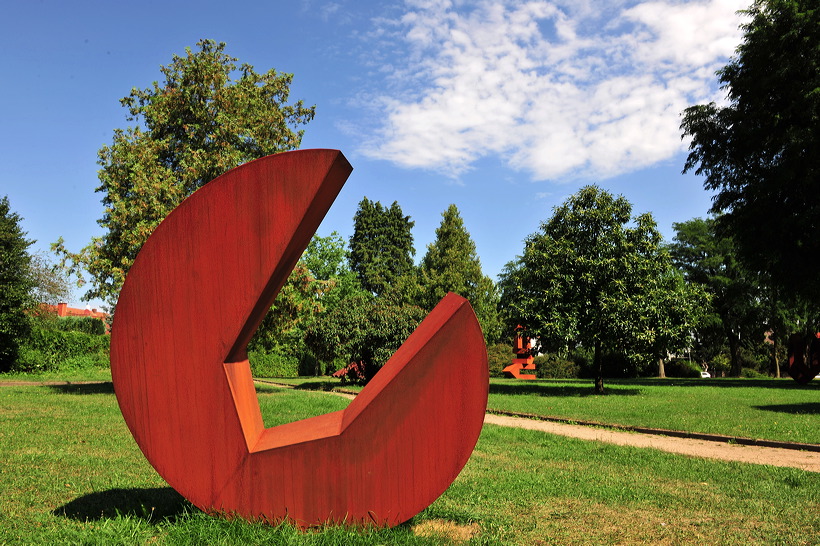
(446, 530)
(805, 460)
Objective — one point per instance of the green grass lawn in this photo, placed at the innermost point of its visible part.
(772, 409)
(71, 473)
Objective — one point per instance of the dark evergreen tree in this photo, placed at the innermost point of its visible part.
(16, 285)
(381, 247)
(451, 264)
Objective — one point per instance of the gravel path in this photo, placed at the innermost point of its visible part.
(805, 460)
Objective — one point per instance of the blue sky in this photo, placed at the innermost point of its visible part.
(504, 108)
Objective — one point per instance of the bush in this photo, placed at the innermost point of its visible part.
(273, 364)
(750, 373)
(553, 367)
(499, 356)
(88, 325)
(47, 349)
(682, 368)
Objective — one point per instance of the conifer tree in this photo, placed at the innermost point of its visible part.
(16, 284)
(381, 247)
(451, 264)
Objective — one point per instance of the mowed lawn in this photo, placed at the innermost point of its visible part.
(71, 473)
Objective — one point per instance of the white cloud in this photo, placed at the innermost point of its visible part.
(558, 89)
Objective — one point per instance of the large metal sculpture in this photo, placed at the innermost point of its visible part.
(196, 293)
(801, 370)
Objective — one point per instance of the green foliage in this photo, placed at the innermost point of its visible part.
(589, 278)
(363, 328)
(49, 348)
(759, 152)
(451, 264)
(554, 367)
(16, 284)
(273, 363)
(381, 247)
(87, 325)
(499, 356)
(735, 312)
(680, 367)
(51, 284)
(200, 122)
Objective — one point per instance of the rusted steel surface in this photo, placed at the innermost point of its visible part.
(801, 370)
(196, 293)
(523, 360)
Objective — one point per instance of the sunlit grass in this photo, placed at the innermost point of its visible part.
(769, 409)
(71, 473)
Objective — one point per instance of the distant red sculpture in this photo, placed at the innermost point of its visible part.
(800, 370)
(195, 295)
(522, 348)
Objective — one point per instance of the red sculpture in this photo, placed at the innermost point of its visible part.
(196, 293)
(800, 370)
(523, 360)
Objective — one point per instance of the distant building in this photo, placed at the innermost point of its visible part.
(63, 310)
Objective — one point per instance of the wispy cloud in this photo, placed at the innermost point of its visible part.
(558, 89)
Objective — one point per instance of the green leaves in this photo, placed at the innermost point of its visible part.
(204, 119)
(759, 152)
(593, 276)
(16, 284)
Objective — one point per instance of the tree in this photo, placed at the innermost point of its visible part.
(16, 284)
(381, 247)
(588, 277)
(51, 285)
(206, 118)
(364, 328)
(451, 264)
(708, 259)
(759, 152)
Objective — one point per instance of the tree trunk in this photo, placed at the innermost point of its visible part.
(734, 349)
(661, 370)
(774, 353)
(597, 363)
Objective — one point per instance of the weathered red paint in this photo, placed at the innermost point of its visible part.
(800, 370)
(523, 357)
(195, 295)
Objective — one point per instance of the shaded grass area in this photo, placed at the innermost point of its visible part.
(775, 409)
(71, 473)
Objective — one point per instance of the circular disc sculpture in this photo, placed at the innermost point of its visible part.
(193, 298)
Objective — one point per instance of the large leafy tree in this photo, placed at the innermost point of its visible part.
(381, 247)
(206, 117)
(451, 264)
(760, 151)
(595, 276)
(736, 311)
(16, 285)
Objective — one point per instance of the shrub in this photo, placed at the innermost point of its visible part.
(49, 349)
(499, 356)
(682, 368)
(88, 325)
(553, 367)
(273, 364)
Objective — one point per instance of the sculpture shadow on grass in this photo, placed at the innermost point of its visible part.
(104, 387)
(150, 504)
(808, 408)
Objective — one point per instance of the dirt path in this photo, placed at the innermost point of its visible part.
(805, 460)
